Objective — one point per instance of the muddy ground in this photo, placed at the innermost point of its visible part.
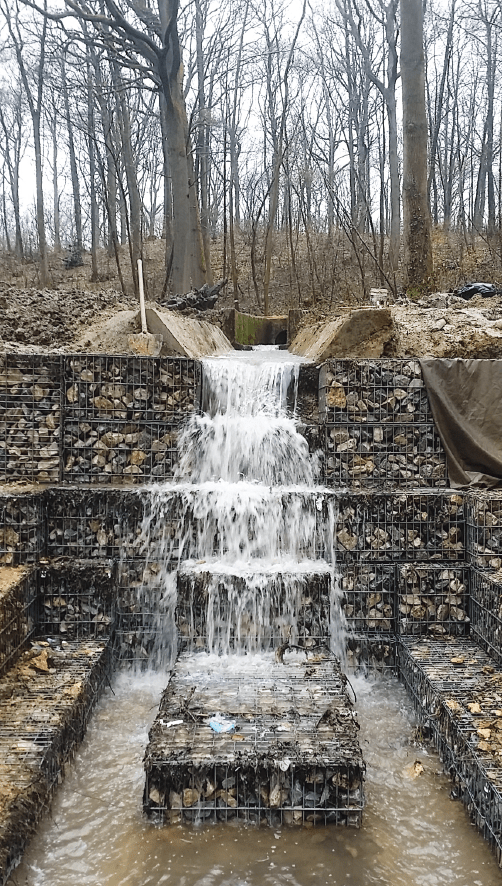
(99, 321)
(78, 315)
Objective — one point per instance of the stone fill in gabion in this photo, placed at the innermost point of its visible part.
(484, 527)
(225, 611)
(30, 400)
(22, 531)
(45, 704)
(384, 456)
(18, 611)
(379, 429)
(77, 599)
(95, 524)
(291, 753)
(378, 391)
(457, 692)
(401, 526)
(433, 600)
(486, 611)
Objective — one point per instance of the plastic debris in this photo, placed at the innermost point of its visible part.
(221, 724)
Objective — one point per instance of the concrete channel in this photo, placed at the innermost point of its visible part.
(88, 449)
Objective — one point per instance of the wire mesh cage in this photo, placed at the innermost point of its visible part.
(484, 528)
(101, 524)
(374, 653)
(433, 600)
(454, 687)
(291, 754)
(406, 526)
(76, 599)
(368, 597)
(118, 451)
(379, 391)
(225, 611)
(384, 456)
(22, 530)
(30, 403)
(55, 692)
(18, 612)
(141, 620)
(130, 389)
(486, 611)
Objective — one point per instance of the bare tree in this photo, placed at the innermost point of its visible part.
(34, 96)
(418, 265)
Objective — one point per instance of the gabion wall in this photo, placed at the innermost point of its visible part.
(401, 540)
(93, 419)
(378, 427)
(18, 613)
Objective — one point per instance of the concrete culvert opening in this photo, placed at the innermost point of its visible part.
(271, 566)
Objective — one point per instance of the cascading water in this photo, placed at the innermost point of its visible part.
(237, 541)
(228, 536)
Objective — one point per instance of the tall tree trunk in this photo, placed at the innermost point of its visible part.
(418, 265)
(92, 178)
(202, 137)
(34, 99)
(55, 179)
(187, 266)
(75, 182)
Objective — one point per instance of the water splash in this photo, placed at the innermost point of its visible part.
(241, 544)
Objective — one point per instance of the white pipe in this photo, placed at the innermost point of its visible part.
(144, 328)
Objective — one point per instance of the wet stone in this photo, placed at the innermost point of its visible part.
(291, 754)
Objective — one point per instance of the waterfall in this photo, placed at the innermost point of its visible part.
(239, 547)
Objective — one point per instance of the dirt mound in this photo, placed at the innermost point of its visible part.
(49, 319)
(99, 320)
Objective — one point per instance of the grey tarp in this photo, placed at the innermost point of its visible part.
(466, 402)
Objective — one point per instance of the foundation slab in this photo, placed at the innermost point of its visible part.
(291, 756)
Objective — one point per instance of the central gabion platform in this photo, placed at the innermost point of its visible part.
(292, 755)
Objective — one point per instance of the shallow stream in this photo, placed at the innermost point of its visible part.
(413, 834)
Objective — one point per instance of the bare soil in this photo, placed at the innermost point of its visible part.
(79, 315)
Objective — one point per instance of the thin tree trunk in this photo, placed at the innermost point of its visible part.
(75, 182)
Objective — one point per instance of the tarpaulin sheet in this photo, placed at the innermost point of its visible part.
(466, 402)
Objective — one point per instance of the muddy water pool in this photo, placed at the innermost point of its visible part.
(413, 834)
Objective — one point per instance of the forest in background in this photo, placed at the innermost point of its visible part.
(278, 125)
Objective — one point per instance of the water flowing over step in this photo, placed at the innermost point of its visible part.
(241, 547)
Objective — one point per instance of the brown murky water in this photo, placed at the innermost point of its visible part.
(413, 834)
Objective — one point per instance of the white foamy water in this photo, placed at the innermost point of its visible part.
(243, 517)
(412, 833)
